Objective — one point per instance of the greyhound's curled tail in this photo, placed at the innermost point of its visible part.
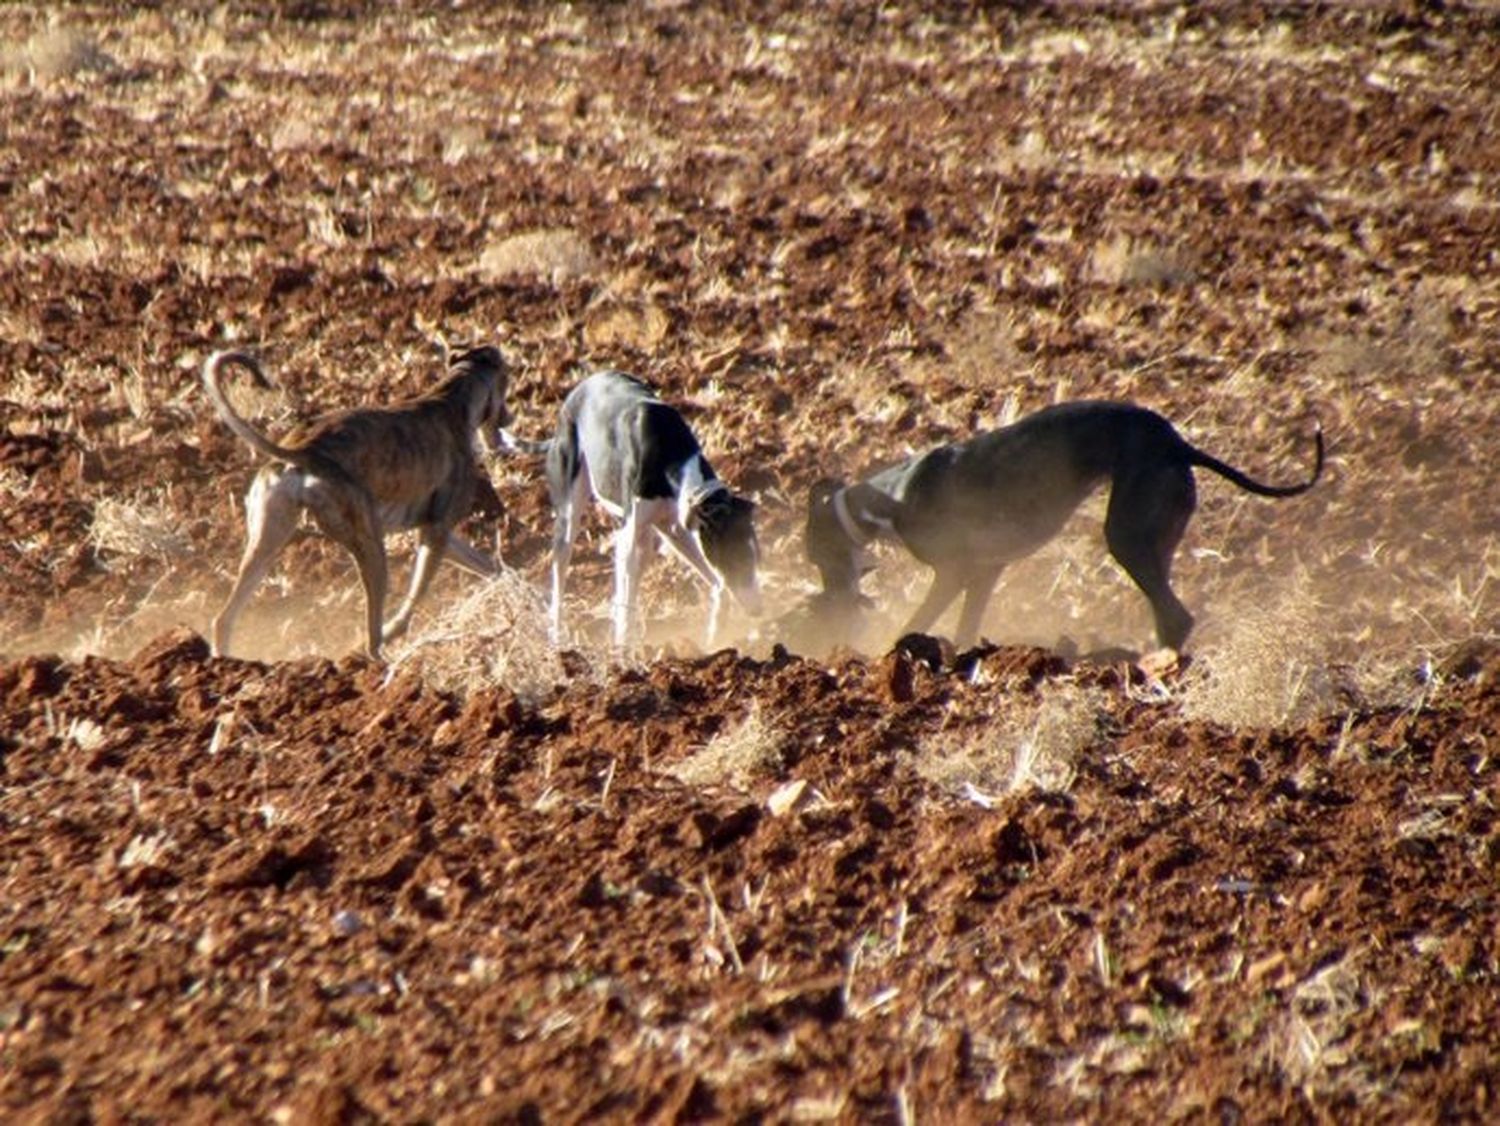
(212, 383)
(1249, 484)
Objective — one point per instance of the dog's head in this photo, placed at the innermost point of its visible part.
(840, 560)
(724, 525)
(486, 375)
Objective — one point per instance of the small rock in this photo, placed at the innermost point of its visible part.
(786, 797)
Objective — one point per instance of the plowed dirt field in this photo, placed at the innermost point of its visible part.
(1047, 878)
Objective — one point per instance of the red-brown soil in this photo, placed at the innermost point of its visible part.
(1017, 883)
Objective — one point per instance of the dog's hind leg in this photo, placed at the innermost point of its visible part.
(631, 542)
(567, 502)
(1148, 514)
(271, 510)
(347, 515)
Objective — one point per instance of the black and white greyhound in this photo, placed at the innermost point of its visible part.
(639, 458)
(968, 509)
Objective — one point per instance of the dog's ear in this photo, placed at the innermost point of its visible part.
(719, 508)
(822, 490)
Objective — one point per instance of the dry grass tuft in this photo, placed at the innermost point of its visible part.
(497, 635)
(463, 141)
(734, 757)
(1266, 666)
(54, 54)
(147, 526)
(981, 351)
(1409, 338)
(1128, 261)
(1034, 746)
(1307, 1045)
(641, 327)
(557, 254)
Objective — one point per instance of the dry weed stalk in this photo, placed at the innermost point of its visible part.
(1306, 1043)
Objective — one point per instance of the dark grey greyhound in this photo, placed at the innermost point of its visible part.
(637, 455)
(970, 508)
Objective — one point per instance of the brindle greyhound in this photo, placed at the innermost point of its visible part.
(968, 509)
(365, 473)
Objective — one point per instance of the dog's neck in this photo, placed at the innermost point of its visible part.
(859, 523)
(695, 487)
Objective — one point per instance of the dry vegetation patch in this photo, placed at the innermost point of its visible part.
(147, 525)
(1266, 662)
(736, 757)
(1033, 746)
(52, 54)
(555, 254)
(1125, 260)
(496, 634)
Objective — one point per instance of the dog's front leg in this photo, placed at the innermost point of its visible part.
(944, 589)
(977, 593)
(686, 548)
(715, 610)
(429, 555)
(470, 558)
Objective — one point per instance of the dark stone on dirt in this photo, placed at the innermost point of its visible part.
(1014, 845)
(1168, 992)
(1177, 859)
(714, 832)
(934, 652)
(1477, 660)
(277, 865)
(31, 678)
(855, 859)
(598, 892)
(289, 279)
(879, 815)
(663, 885)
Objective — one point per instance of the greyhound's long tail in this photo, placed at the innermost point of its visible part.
(515, 444)
(212, 383)
(1249, 484)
